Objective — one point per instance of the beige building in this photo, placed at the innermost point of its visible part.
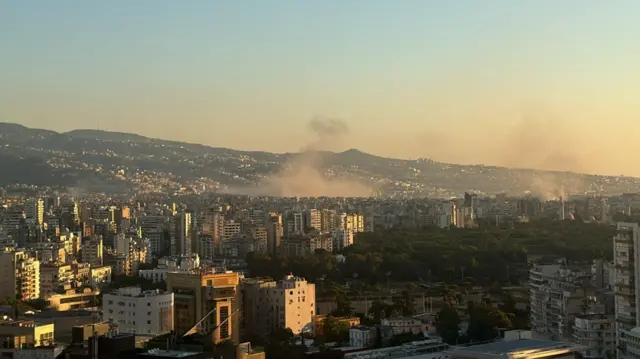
(21, 275)
(100, 275)
(73, 299)
(53, 276)
(92, 251)
(24, 334)
(269, 305)
(198, 294)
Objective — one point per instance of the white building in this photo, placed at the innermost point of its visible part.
(170, 265)
(140, 312)
(596, 333)
(362, 337)
(401, 325)
(290, 303)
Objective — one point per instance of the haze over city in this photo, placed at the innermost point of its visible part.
(540, 84)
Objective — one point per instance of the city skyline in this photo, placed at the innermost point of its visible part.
(527, 84)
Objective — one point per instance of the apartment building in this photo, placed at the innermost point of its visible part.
(626, 248)
(92, 251)
(559, 293)
(314, 219)
(140, 312)
(181, 228)
(21, 278)
(230, 229)
(342, 238)
(269, 305)
(53, 276)
(214, 298)
(596, 334)
(152, 227)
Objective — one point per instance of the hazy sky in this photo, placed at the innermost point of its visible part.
(539, 83)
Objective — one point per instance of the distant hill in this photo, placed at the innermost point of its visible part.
(105, 135)
(97, 159)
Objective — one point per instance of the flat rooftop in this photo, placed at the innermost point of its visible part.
(507, 348)
(169, 353)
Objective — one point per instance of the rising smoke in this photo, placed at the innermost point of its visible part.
(304, 174)
(541, 141)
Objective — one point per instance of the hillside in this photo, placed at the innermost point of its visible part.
(96, 160)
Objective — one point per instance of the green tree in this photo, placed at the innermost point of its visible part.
(448, 324)
(334, 330)
(485, 321)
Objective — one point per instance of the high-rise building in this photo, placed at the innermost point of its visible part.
(314, 219)
(181, 233)
(342, 238)
(626, 248)
(91, 251)
(21, 275)
(329, 220)
(275, 232)
(269, 305)
(215, 296)
(299, 223)
(351, 222)
(230, 229)
(152, 227)
(35, 210)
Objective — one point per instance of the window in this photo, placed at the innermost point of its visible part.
(148, 322)
(148, 304)
(148, 313)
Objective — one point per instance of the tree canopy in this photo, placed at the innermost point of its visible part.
(484, 255)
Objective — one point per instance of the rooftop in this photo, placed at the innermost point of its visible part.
(169, 353)
(513, 348)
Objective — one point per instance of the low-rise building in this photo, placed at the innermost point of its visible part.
(73, 299)
(24, 334)
(362, 336)
(401, 325)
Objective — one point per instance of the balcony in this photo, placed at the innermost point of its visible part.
(626, 320)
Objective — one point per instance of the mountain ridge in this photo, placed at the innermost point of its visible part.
(96, 134)
(77, 157)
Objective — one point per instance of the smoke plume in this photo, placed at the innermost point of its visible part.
(305, 175)
(541, 141)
